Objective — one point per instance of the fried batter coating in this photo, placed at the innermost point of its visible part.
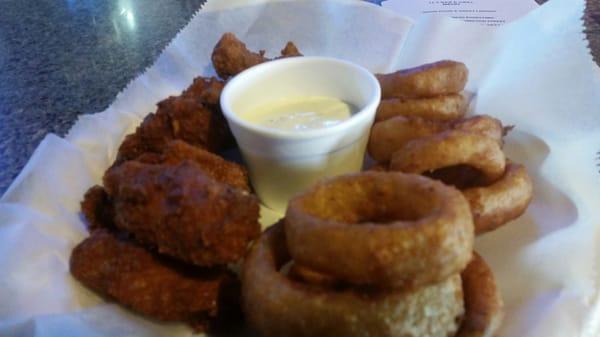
(97, 208)
(451, 148)
(290, 50)
(182, 212)
(428, 80)
(276, 305)
(392, 134)
(306, 275)
(389, 230)
(483, 302)
(154, 286)
(230, 56)
(205, 90)
(444, 107)
(213, 165)
(194, 117)
(504, 200)
(177, 117)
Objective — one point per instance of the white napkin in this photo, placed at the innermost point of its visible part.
(536, 73)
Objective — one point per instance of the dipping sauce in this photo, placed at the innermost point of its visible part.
(301, 113)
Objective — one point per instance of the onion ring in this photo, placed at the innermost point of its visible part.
(483, 303)
(278, 306)
(307, 275)
(444, 107)
(504, 200)
(391, 230)
(482, 124)
(390, 135)
(378, 167)
(451, 148)
(428, 80)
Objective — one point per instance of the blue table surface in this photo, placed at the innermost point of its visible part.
(63, 58)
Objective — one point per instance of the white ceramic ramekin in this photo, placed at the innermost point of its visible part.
(282, 163)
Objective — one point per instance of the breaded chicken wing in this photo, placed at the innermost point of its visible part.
(194, 117)
(157, 287)
(214, 166)
(182, 212)
(230, 56)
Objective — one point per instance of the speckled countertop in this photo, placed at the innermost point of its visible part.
(62, 58)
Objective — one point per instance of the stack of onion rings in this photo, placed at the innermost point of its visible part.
(422, 130)
(431, 91)
(498, 190)
(277, 305)
(374, 254)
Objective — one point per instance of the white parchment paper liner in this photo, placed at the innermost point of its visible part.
(536, 73)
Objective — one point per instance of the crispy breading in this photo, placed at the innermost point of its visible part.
(182, 212)
(290, 50)
(177, 117)
(205, 90)
(427, 80)
(97, 208)
(214, 166)
(152, 285)
(194, 117)
(231, 56)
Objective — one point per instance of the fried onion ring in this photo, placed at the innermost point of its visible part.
(483, 303)
(504, 200)
(307, 275)
(429, 80)
(451, 148)
(444, 107)
(275, 305)
(391, 230)
(390, 135)
(482, 124)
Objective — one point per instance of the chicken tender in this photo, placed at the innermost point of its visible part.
(194, 117)
(177, 117)
(231, 56)
(97, 208)
(157, 287)
(213, 165)
(182, 212)
(205, 91)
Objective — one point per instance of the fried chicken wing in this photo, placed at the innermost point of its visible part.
(177, 117)
(157, 287)
(231, 56)
(213, 165)
(97, 208)
(290, 50)
(194, 117)
(182, 212)
(205, 90)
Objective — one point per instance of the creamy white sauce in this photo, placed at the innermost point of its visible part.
(300, 113)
